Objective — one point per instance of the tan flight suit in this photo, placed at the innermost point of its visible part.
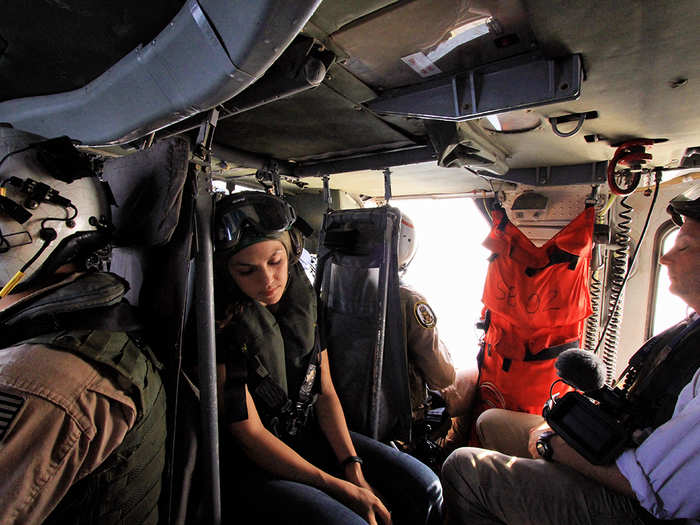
(429, 361)
(69, 420)
(61, 417)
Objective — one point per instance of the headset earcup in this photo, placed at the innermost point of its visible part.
(297, 241)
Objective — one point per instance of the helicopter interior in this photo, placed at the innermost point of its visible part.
(540, 105)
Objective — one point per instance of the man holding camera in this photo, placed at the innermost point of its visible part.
(659, 479)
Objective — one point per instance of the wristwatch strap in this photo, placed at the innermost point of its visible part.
(351, 459)
(543, 445)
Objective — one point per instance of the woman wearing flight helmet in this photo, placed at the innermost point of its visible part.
(296, 461)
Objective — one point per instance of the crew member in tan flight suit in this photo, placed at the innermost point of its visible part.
(82, 406)
(429, 361)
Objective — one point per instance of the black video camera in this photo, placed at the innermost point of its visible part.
(598, 431)
(599, 424)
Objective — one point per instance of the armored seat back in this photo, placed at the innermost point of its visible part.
(153, 239)
(361, 322)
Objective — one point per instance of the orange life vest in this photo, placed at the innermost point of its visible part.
(537, 302)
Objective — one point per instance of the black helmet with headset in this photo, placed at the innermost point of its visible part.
(244, 218)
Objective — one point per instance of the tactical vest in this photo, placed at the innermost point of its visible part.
(86, 316)
(278, 349)
(125, 488)
(537, 300)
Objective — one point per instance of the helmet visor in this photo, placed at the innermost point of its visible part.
(254, 213)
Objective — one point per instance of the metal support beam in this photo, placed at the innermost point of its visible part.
(370, 161)
(206, 345)
(516, 83)
(577, 174)
(327, 192)
(243, 159)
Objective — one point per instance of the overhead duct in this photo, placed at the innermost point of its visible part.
(460, 145)
(211, 51)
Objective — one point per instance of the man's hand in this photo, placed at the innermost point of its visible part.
(535, 433)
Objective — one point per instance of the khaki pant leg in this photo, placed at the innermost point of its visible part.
(506, 431)
(484, 487)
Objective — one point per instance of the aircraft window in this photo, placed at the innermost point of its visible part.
(667, 308)
(449, 268)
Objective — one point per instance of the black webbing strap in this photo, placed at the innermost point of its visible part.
(278, 402)
(307, 397)
(118, 318)
(544, 355)
(557, 256)
(503, 222)
(550, 353)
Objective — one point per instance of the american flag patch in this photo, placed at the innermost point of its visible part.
(9, 408)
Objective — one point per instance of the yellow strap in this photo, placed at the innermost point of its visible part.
(3, 191)
(16, 278)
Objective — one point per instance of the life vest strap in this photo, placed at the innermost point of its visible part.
(557, 256)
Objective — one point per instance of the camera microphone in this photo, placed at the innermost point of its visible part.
(581, 369)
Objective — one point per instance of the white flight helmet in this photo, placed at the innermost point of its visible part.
(46, 221)
(407, 242)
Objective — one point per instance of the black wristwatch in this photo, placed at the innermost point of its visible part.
(351, 459)
(543, 445)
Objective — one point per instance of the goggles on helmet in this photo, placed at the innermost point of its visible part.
(250, 212)
(686, 204)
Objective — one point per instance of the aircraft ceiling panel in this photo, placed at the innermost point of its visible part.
(315, 123)
(50, 47)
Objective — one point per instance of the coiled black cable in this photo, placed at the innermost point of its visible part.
(593, 321)
(617, 292)
(619, 269)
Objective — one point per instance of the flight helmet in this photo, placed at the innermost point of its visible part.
(245, 218)
(407, 242)
(53, 210)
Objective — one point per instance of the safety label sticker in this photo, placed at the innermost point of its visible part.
(424, 315)
(9, 408)
(421, 64)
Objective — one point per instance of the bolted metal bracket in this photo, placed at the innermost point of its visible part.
(516, 83)
(205, 136)
(593, 173)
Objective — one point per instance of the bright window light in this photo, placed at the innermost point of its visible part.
(449, 268)
(459, 36)
(669, 309)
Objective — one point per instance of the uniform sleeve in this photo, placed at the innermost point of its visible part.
(663, 471)
(425, 349)
(48, 447)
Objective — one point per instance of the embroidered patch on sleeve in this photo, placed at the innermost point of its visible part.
(424, 315)
(9, 408)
